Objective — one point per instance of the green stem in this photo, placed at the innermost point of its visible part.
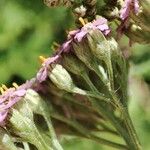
(40, 142)
(55, 142)
(135, 144)
(87, 79)
(108, 143)
(85, 133)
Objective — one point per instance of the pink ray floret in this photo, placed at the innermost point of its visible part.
(10, 97)
(128, 7)
(79, 34)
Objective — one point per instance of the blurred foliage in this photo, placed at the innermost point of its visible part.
(28, 29)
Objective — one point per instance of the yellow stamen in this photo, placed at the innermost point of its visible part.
(4, 87)
(2, 90)
(42, 59)
(15, 85)
(82, 21)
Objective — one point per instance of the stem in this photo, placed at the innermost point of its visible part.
(135, 144)
(55, 142)
(87, 79)
(108, 143)
(40, 143)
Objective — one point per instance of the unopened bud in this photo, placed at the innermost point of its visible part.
(99, 45)
(61, 78)
(138, 34)
(74, 65)
(83, 52)
(21, 123)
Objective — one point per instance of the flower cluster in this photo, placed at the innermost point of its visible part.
(86, 77)
(11, 96)
(77, 35)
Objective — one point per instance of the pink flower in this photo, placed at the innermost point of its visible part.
(128, 7)
(10, 97)
(100, 24)
(75, 35)
(79, 34)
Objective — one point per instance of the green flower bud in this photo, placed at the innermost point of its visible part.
(138, 34)
(74, 65)
(99, 45)
(61, 78)
(21, 123)
(83, 52)
(101, 49)
(37, 104)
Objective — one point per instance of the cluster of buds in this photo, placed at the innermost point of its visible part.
(81, 91)
(139, 30)
(91, 72)
(135, 21)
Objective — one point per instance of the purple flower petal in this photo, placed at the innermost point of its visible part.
(124, 12)
(129, 5)
(19, 93)
(10, 97)
(73, 33)
(136, 6)
(100, 21)
(28, 84)
(66, 46)
(43, 72)
(79, 36)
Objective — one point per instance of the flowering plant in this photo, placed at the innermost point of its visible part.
(81, 90)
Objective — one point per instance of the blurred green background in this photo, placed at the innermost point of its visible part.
(28, 29)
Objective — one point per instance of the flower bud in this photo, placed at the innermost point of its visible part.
(58, 3)
(99, 45)
(61, 78)
(138, 34)
(73, 64)
(37, 104)
(21, 123)
(83, 52)
(101, 49)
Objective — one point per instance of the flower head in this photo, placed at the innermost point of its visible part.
(10, 97)
(128, 7)
(79, 34)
